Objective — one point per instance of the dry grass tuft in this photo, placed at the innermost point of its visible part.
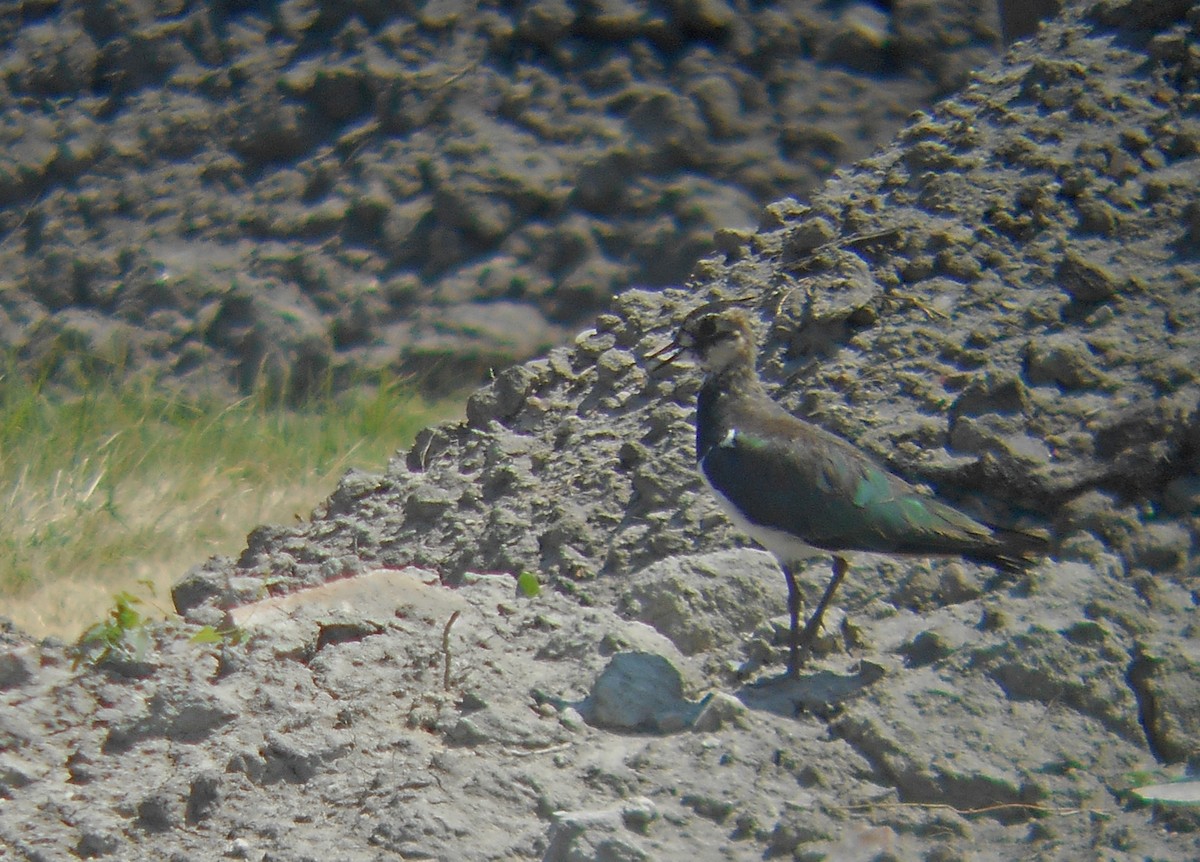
(113, 485)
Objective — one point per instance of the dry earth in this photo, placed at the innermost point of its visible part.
(1002, 304)
(308, 188)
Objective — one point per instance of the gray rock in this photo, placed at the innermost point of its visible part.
(601, 836)
(707, 602)
(1084, 280)
(1164, 678)
(17, 665)
(719, 710)
(639, 692)
(1182, 495)
(1061, 360)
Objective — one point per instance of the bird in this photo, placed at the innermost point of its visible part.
(801, 491)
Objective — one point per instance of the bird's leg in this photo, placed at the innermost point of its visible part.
(840, 567)
(794, 615)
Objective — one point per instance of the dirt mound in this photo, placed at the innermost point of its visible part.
(1002, 304)
(220, 191)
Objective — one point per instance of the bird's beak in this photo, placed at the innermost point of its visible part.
(673, 347)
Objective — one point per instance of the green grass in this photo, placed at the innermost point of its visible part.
(108, 485)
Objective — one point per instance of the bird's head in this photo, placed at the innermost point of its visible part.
(718, 335)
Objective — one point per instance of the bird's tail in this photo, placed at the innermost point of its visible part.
(1014, 550)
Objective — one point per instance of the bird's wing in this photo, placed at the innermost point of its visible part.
(791, 476)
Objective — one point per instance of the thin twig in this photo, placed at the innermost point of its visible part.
(985, 809)
(928, 310)
(446, 650)
(530, 752)
(857, 240)
(461, 73)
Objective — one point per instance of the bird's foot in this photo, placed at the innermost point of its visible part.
(815, 640)
(800, 651)
(793, 670)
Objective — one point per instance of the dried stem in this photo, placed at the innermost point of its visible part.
(446, 650)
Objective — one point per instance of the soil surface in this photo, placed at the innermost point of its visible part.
(239, 194)
(1002, 304)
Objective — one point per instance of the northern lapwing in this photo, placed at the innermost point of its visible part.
(799, 490)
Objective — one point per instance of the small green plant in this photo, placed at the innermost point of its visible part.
(1139, 777)
(527, 584)
(122, 634)
(231, 636)
(125, 632)
(1064, 765)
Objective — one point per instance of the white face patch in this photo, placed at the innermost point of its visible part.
(723, 353)
(730, 439)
